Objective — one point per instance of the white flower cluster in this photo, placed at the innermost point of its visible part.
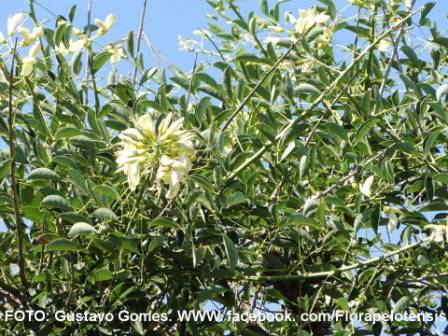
(366, 187)
(309, 19)
(166, 148)
(31, 38)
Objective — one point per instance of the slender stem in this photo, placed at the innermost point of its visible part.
(14, 187)
(139, 37)
(213, 44)
(190, 86)
(95, 87)
(325, 274)
(260, 82)
(88, 57)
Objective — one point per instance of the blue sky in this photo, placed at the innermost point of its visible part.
(166, 19)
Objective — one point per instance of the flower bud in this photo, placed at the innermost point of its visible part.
(13, 22)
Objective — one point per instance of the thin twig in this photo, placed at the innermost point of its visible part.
(260, 82)
(139, 37)
(213, 44)
(152, 50)
(14, 188)
(327, 274)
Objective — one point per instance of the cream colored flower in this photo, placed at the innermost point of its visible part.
(26, 34)
(366, 187)
(310, 18)
(392, 224)
(2, 39)
(27, 66)
(77, 32)
(439, 232)
(326, 36)
(117, 53)
(106, 25)
(28, 62)
(308, 65)
(30, 37)
(37, 32)
(35, 50)
(75, 46)
(271, 39)
(13, 22)
(384, 45)
(409, 4)
(167, 148)
(186, 44)
(61, 49)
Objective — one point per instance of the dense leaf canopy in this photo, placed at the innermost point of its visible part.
(309, 162)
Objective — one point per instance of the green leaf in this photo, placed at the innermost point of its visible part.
(288, 150)
(61, 245)
(237, 198)
(105, 194)
(5, 168)
(210, 293)
(360, 31)
(101, 274)
(67, 132)
(305, 88)
(426, 9)
(264, 7)
(299, 220)
(81, 229)
(155, 243)
(441, 91)
(410, 53)
(310, 207)
(365, 128)
(401, 305)
(252, 59)
(105, 213)
(72, 13)
(148, 74)
(231, 251)
(163, 222)
(337, 130)
(100, 60)
(56, 202)
(303, 166)
(130, 41)
(44, 174)
(430, 140)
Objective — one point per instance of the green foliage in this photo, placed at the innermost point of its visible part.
(316, 171)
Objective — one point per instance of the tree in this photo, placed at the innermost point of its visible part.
(284, 173)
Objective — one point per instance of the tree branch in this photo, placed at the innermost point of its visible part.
(315, 275)
(139, 37)
(14, 188)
